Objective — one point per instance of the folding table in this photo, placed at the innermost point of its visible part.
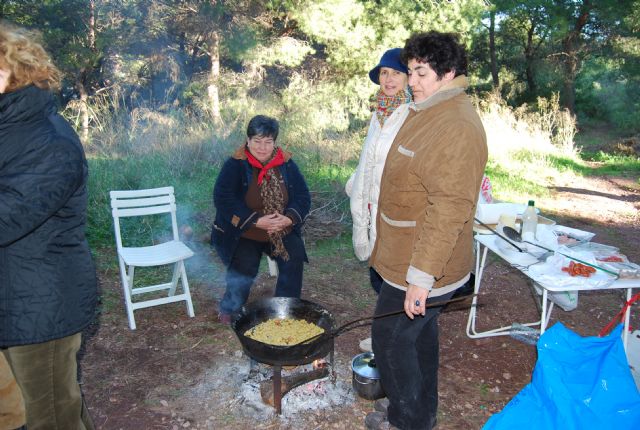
(486, 242)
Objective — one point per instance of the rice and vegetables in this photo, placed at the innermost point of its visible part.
(283, 332)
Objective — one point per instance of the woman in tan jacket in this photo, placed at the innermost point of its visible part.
(427, 202)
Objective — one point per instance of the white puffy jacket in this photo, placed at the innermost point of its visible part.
(364, 185)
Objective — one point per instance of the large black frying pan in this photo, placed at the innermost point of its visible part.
(284, 307)
(318, 346)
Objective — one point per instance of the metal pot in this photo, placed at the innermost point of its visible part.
(366, 378)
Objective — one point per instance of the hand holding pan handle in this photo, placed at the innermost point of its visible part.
(349, 325)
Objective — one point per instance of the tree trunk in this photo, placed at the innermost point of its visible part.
(529, 56)
(83, 75)
(571, 64)
(492, 50)
(92, 25)
(214, 78)
(570, 67)
(84, 106)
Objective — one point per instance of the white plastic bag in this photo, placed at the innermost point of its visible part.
(550, 272)
(567, 300)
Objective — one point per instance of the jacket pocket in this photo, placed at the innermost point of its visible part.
(399, 170)
(217, 235)
(397, 223)
(395, 243)
(406, 152)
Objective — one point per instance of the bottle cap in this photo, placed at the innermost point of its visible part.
(531, 203)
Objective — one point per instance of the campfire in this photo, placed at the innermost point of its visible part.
(233, 385)
(302, 375)
(307, 387)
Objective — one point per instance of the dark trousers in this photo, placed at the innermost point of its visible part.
(376, 280)
(244, 268)
(47, 375)
(406, 354)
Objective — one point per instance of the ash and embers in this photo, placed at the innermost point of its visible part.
(230, 391)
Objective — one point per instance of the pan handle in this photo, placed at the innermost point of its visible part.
(347, 326)
(428, 305)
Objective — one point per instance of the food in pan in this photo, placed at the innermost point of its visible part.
(283, 332)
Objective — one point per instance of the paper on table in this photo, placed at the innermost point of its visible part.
(581, 235)
(550, 273)
(490, 213)
(512, 255)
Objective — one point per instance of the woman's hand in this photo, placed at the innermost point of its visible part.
(283, 221)
(273, 223)
(415, 300)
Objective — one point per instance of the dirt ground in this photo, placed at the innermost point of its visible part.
(176, 372)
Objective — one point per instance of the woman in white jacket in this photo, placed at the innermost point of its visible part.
(364, 185)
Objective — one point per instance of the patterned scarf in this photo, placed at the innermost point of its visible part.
(271, 194)
(387, 104)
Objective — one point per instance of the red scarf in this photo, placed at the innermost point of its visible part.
(277, 160)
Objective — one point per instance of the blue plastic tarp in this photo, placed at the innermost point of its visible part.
(579, 383)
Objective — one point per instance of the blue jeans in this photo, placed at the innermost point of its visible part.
(244, 268)
(406, 354)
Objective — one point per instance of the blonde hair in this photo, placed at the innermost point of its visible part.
(22, 54)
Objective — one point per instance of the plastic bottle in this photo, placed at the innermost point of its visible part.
(529, 222)
(524, 334)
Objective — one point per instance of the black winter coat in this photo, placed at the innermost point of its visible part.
(47, 276)
(233, 216)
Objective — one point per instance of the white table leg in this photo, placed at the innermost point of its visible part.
(481, 258)
(545, 314)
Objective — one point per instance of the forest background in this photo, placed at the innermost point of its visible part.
(161, 90)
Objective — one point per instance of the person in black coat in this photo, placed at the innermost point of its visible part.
(47, 277)
(261, 201)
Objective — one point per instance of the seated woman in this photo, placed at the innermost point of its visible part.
(261, 201)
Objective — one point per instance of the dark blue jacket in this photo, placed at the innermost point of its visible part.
(47, 276)
(233, 216)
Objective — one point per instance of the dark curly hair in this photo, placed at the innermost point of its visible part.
(262, 125)
(442, 51)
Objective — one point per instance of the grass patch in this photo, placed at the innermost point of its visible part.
(611, 164)
(509, 185)
(339, 246)
(193, 191)
(566, 164)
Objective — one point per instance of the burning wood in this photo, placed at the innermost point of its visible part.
(320, 363)
(289, 383)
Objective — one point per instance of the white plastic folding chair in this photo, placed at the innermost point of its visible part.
(141, 203)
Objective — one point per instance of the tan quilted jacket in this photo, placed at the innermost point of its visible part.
(429, 191)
